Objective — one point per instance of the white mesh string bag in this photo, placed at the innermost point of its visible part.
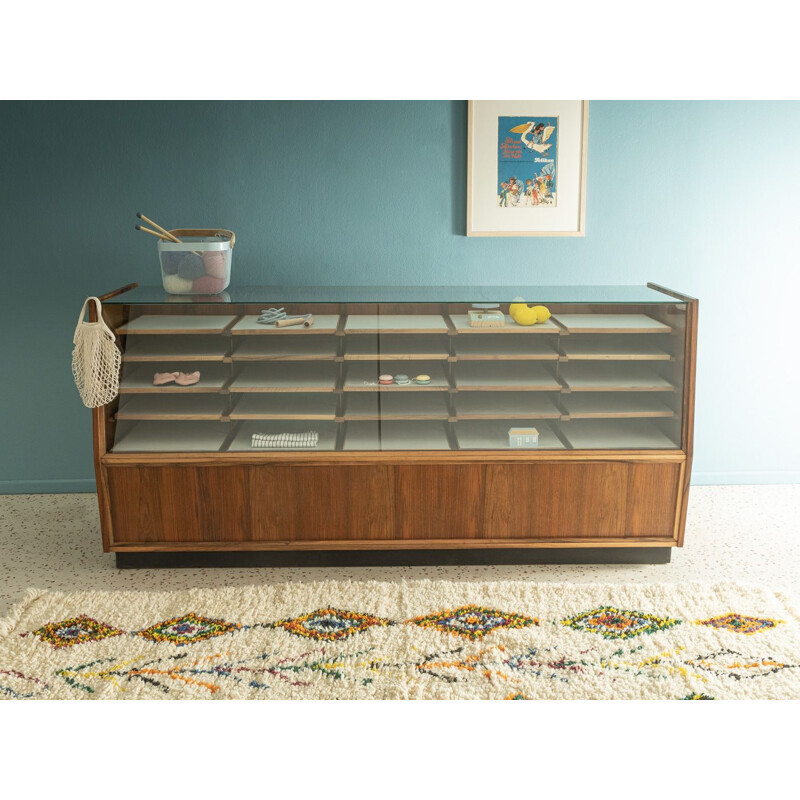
(95, 359)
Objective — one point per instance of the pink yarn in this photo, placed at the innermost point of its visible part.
(214, 261)
(208, 285)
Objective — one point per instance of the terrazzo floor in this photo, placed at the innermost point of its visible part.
(739, 533)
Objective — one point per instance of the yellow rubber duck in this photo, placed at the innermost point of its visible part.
(524, 314)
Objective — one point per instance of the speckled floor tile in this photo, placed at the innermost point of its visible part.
(737, 533)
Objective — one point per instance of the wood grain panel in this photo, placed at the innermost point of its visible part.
(440, 502)
(321, 503)
(577, 500)
(652, 495)
(235, 504)
(135, 511)
(187, 504)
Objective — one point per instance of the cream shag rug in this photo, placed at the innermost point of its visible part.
(405, 640)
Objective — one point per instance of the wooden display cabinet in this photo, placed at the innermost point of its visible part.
(607, 381)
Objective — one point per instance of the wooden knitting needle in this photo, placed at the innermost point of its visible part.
(306, 322)
(165, 234)
(163, 231)
(152, 233)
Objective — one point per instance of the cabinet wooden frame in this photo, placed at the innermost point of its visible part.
(162, 502)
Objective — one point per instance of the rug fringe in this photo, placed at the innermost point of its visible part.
(16, 611)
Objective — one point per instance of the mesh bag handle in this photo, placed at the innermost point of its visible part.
(100, 321)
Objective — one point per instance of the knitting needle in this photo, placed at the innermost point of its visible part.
(153, 233)
(306, 322)
(163, 231)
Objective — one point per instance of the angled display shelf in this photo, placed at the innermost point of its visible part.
(396, 435)
(170, 325)
(616, 434)
(170, 437)
(172, 406)
(472, 347)
(138, 378)
(321, 347)
(505, 376)
(506, 405)
(364, 377)
(243, 440)
(617, 376)
(614, 347)
(284, 377)
(610, 323)
(248, 325)
(395, 323)
(460, 323)
(572, 433)
(397, 347)
(490, 434)
(280, 405)
(608, 404)
(176, 348)
(385, 405)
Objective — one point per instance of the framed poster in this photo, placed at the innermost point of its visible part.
(526, 170)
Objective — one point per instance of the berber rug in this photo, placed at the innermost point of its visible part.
(405, 640)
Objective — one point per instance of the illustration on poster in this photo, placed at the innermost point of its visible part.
(527, 159)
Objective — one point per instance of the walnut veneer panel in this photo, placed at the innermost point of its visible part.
(182, 504)
(245, 503)
(601, 499)
(321, 502)
(652, 498)
(197, 505)
(440, 502)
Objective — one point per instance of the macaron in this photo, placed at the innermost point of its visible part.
(402, 380)
(385, 380)
(423, 380)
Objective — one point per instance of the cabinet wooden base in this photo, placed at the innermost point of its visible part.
(547, 502)
(394, 558)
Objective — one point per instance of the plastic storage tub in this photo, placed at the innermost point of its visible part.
(199, 264)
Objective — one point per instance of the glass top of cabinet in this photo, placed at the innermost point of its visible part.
(155, 295)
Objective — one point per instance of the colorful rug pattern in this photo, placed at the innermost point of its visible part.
(412, 640)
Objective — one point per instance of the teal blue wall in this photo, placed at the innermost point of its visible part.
(700, 196)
